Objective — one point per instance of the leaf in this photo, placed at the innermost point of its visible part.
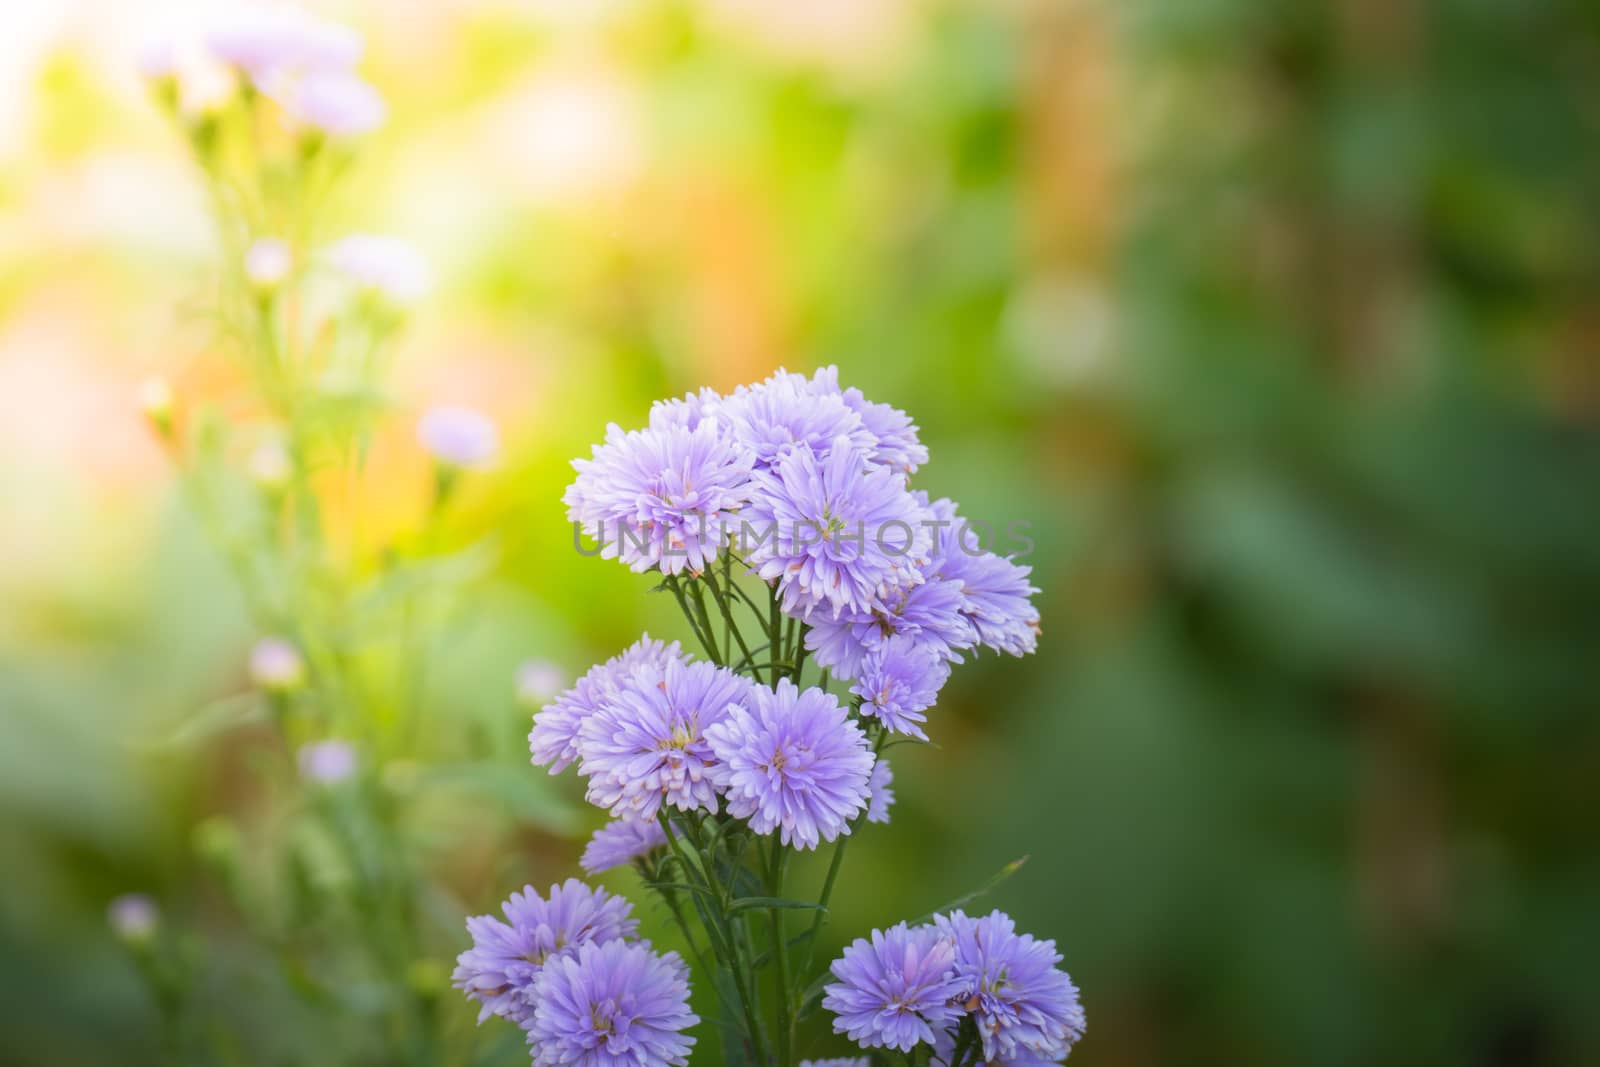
(747, 903)
(681, 885)
(995, 880)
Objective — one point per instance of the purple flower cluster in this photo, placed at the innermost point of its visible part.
(915, 985)
(808, 483)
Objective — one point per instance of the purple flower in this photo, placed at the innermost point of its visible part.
(267, 262)
(134, 917)
(841, 1061)
(621, 841)
(879, 796)
(791, 760)
(499, 969)
(386, 265)
(1025, 1006)
(661, 497)
(928, 614)
(900, 679)
(336, 102)
(327, 762)
(786, 411)
(459, 436)
(269, 44)
(688, 411)
(833, 532)
(612, 1005)
(996, 597)
(554, 738)
(894, 435)
(649, 745)
(539, 681)
(895, 990)
(276, 665)
(944, 1048)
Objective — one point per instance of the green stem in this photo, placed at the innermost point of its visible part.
(784, 1010)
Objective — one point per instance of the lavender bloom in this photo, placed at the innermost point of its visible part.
(879, 796)
(276, 665)
(386, 265)
(268, 44)
(133, 917)
(844, 536)
(661, 497)
(499, 969)
(459, 436)
(1025, 1007)
(944, 1048)
(900, 679)
(928, 613)
(337, 103)
(688, 411)
(895, 990)
(841, 1061)
(620, 842)
(791, 760)
(554, 738)
(650, 745)
(327, 762)
(996, 594)
(612, 1005)
(894, 435)
(784, 412)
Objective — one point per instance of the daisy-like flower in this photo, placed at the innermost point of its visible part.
(836, 534)
(944, 1049)
(996, 596)
(894, 435)
(928, 613)
(336, 103)
(688, 411)
(385, 265)
(1024, 1005)
(650, 745)
(554, 738)
(620, 842)
(499, 969)
(792, 761)
(612, 1005)
(268, 44)
(894, 990)
(276, 665)
(900, 679)
(459, 436)
(776, 416)
(880, 798)
(661, 497)
(327, 762)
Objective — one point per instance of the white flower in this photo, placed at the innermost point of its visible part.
(276, 665)
(134, 917)
(539, 682)
(327, 762)
(336, 102)
(269, 465)
(267, 262)
(386, 264)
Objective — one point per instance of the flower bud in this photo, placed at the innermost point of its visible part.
(327, 762)
(134, 918)
(459, 436)
(276, 665)
(539, 682)
(267, 263)
(269, 465)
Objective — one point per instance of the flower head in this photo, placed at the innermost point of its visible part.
(900, 679)
(267, 262)
(661, 497)
(688, 411)
(880, 798)
(622, 841)
(133, 917)
(894, 990)
(554, 738)
(790, 760)
(385, 265)
(612, 1004)
(649, 745)
(786, 411)
(459, 436)
(928, 614)
(499, 969)
(1024, 1005)
(894, 441)
(996, 596)
(276, 665)
(836, 534)
(327, 762)
(268, 43)
(336, 103)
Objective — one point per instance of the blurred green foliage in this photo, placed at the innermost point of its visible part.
(1278, 322)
